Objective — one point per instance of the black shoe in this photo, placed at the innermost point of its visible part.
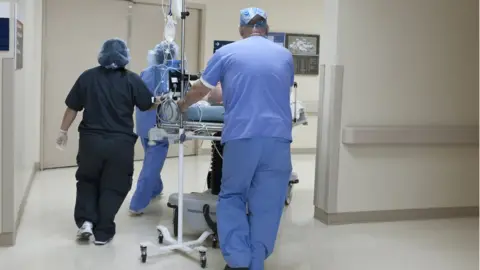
(238, 268)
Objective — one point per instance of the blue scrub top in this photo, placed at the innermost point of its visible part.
(153, 77)
(256, 76)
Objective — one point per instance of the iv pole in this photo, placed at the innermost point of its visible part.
(164, 234)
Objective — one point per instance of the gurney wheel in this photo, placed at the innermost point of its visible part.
(209, 180)
(214, 241)
(143, 251)
(288, 200)
(203, 259)
(160, 238)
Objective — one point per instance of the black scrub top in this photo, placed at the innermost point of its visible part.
(108, 98)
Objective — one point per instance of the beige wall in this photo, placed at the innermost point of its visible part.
(28, 99)
(26, 115)
(406, 63)
(6, 10)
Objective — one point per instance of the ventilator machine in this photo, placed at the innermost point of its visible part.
(195, 211)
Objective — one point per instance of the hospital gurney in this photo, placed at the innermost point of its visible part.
(206, 122)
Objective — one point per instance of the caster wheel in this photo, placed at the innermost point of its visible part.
(143, 251)
(214, 242)
(203, 259)
(288, 200)
(209, 180)
(160, 238)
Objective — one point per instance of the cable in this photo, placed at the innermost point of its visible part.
(168, 112)
(206, 128)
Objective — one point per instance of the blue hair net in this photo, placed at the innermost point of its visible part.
(114, 54)
(164, 51)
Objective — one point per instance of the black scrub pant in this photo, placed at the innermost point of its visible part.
(104, 178)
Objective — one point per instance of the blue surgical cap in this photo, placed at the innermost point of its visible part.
(114, 54)
(247, 14)
(164, 51)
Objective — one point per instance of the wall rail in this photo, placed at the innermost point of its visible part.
(410, 135)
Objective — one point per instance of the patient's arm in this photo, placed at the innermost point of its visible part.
(215, 96)
(196, 93)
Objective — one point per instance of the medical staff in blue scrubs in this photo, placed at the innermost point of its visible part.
(150, 185)
(256, 76)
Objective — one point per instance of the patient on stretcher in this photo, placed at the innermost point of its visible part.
(210, 109)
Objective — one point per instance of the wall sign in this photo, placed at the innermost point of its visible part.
(19, 45)
(217, 44)
(4, 34)
(277, 37)
(306, 51)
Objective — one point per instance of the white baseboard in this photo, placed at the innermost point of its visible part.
(394, 215)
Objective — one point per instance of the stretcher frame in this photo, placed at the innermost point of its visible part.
(204, 130)
(181, 132)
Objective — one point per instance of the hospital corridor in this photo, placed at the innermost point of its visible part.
(258, 135)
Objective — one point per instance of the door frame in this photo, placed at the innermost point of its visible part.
(201, 58)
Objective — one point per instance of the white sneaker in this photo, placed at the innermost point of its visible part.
(85, 231)
(135, 213)
(102, 243)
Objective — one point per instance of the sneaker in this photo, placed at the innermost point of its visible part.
(102, 243)
(85, 231)
(135, 213)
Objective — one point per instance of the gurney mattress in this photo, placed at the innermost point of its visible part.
(206, 114)
(214, 114)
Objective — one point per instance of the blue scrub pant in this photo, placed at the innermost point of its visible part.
(149, 183)
(255, 172)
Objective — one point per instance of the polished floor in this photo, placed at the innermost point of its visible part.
(47, 233)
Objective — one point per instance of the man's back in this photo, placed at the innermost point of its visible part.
(256, 85)
(108, 98)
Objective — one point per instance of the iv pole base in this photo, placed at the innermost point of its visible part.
(172, 245)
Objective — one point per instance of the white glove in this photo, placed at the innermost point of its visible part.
(62, 139)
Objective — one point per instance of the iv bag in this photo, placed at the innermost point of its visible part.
(169, 31)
